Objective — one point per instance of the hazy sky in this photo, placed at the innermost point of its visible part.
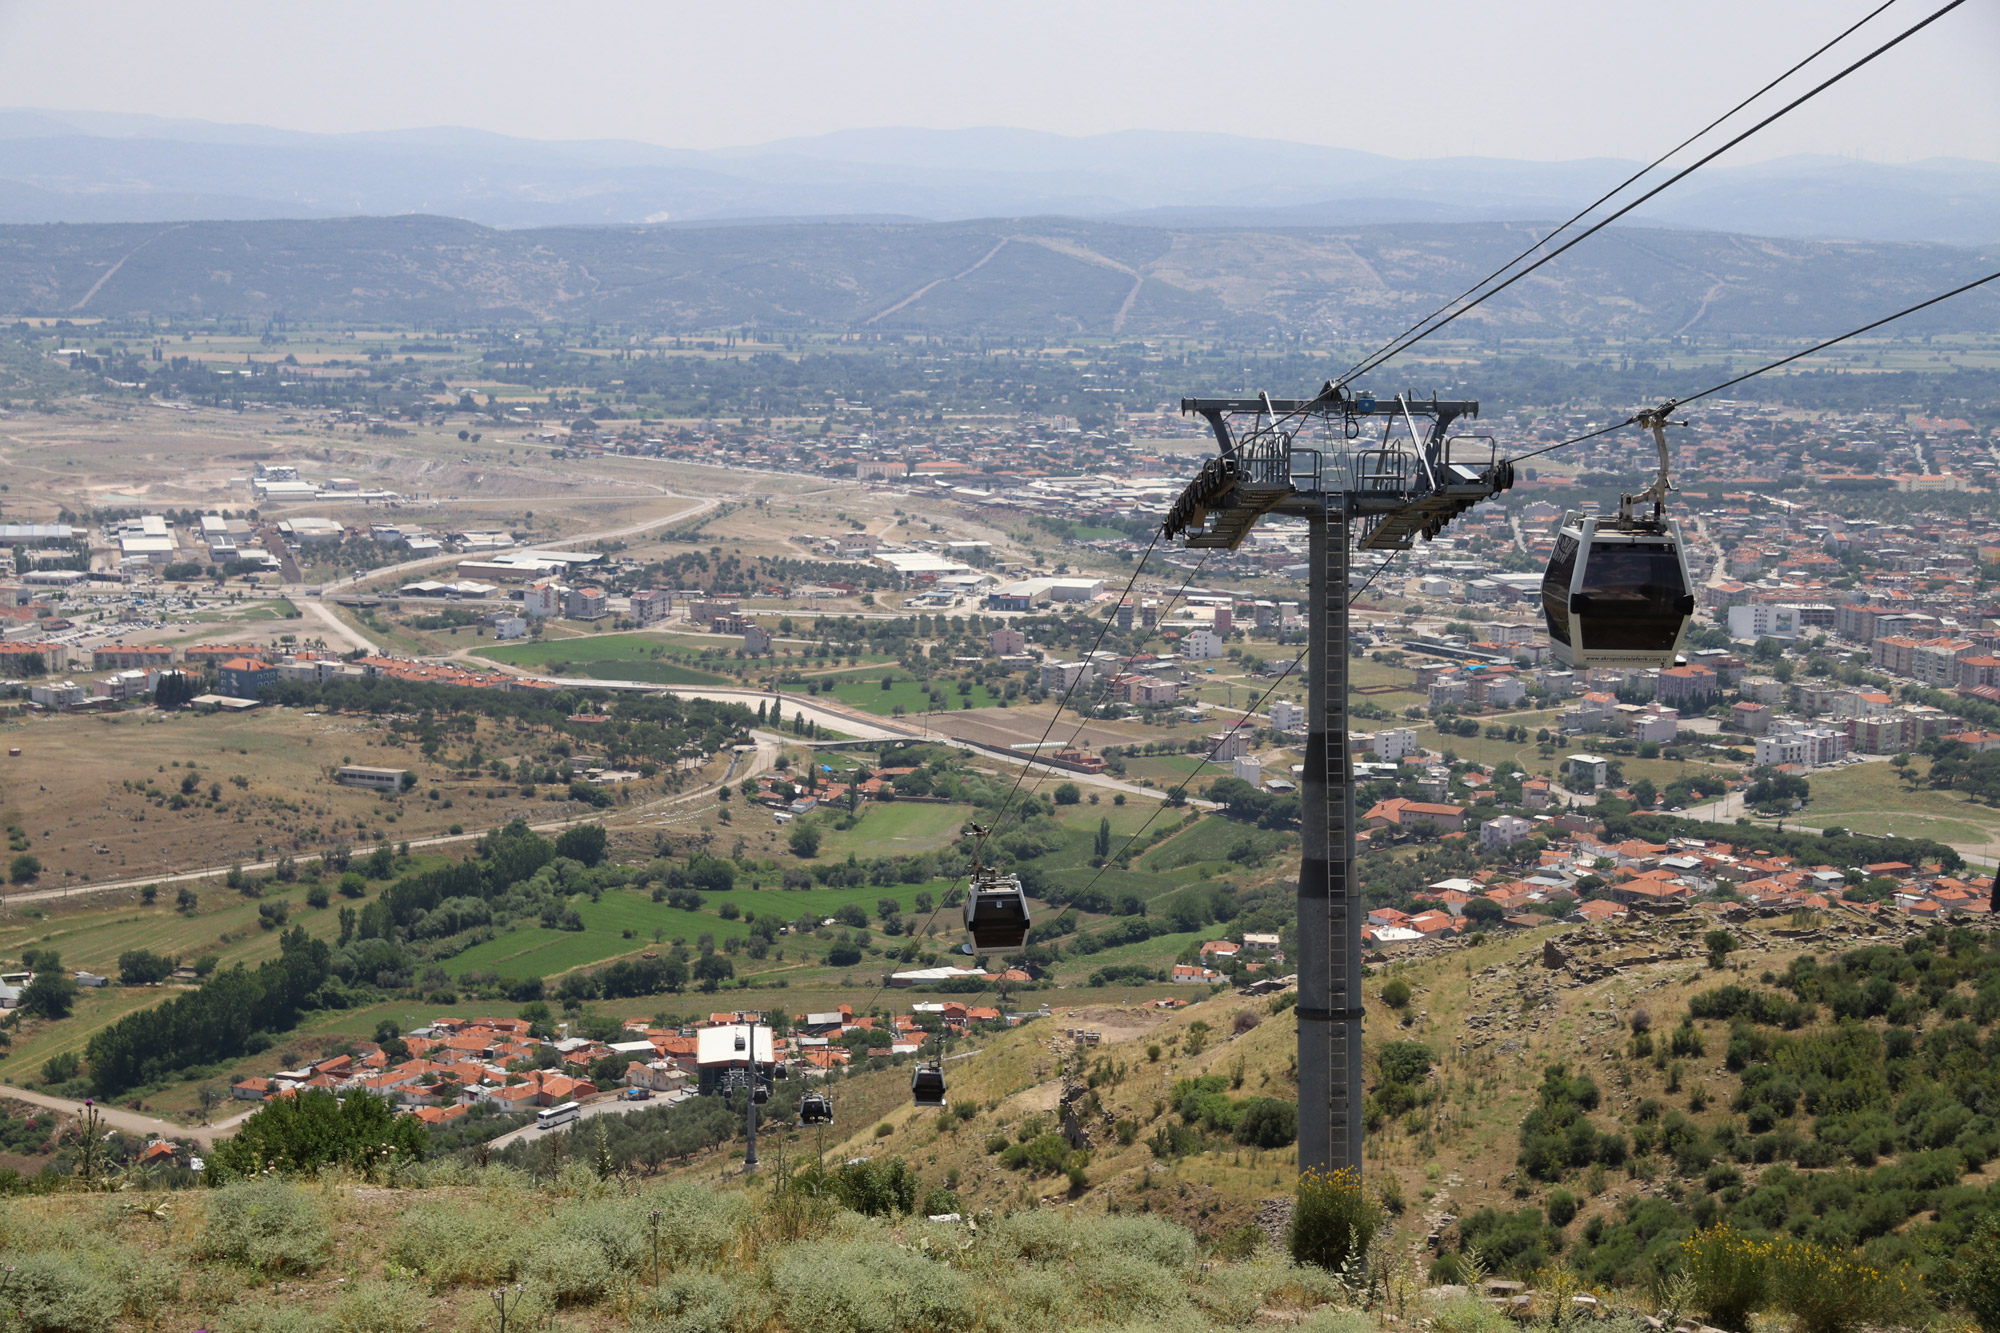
(1545, 79)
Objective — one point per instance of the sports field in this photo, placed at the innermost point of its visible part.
(603, 657)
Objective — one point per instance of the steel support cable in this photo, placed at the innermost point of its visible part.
(1071, 688)
(1594, 204)
(1164, 613)
(1712, 390)
(1165, 804)
(1130, 583)
(1287, 675)
(1406, 341)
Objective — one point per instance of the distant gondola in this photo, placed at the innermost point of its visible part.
(927, 1085)
(815, 1108)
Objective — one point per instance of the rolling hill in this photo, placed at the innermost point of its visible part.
(1037, 277)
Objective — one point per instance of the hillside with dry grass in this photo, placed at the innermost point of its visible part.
(1770, 1123)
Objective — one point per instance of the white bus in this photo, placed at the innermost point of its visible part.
(565, 1114)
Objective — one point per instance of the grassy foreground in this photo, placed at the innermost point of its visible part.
(345, 1255)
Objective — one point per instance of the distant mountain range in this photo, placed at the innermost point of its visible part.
(67, 166)
(1036, 277)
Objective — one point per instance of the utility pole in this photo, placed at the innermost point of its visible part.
(1306, 458)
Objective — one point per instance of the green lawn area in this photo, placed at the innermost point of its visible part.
(537, 951)
(863, 689)
(1210, 841)
(899, 828)
(278, 608)
(1125, 819)
(1870, 798)
(1160, 951)
(604, 657)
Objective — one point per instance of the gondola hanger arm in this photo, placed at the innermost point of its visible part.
(1657, 420)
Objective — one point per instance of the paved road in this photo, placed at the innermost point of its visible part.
(339, 628)
(570, 542)
(132, 1122)
(591, 1110)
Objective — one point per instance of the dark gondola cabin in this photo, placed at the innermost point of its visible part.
(815, 1108)
(996, 912)
(1617, 592)
(927, 1086)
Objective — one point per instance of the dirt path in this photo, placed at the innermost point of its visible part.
(131, 1122)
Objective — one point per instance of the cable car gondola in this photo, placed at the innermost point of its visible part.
(816, 1108)
(996, 907)
(927, 1085)
(1617, 591)
(996, 912)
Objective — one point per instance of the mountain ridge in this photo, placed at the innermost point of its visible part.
(67, 166)
(1042, 277)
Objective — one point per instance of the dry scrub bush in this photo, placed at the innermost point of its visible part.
(269, 1225)
(449, 1244)
(1333, 1220)
(697, 1226)
(695, 1303)
(1729, 1274)
(871, 1287)
(63, 1293)
(1826, 1291)
(586, 1250)
(1466, 1314)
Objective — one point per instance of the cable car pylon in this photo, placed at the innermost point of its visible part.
(1307, 458)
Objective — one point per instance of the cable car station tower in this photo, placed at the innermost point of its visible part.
(1367, 473)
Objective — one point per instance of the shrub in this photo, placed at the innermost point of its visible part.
(581, 1253)
(1828, 1291)
(694, 1301)
(697, 1226)
(270, 1225)
(1976, 1272)
(54, 1293)
(456, 1243)
(377, 1307)
(872, 1288)
(1396, 993)
(1332, 1220)
(1562, 1207)
(1467, 1314)
(1729, 1273)
(1266, 1122)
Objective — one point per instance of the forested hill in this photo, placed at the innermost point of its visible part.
(1035, 277)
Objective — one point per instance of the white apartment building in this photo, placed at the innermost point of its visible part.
(1395, 743)
(1058, 676)
(1288, 716)
(652, 606)
(1201, 644)
(541, 601)
(1504, 831)
(1766, 620)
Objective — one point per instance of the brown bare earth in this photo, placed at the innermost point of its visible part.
(73, 791)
